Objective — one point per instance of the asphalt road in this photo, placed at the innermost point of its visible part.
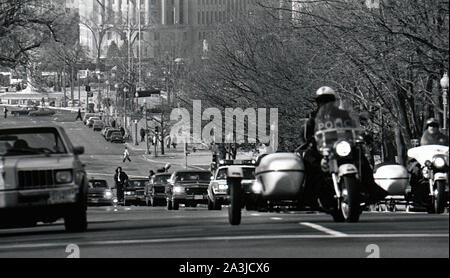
(199, 233)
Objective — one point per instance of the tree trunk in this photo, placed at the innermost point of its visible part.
(401, 147)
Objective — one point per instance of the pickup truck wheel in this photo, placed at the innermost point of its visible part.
(76, 219)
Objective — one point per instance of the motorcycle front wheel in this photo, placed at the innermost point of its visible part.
(234, 209)
(350, 203)
(439, 199)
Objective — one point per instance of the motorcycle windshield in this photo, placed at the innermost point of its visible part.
(427, 152)
(335, 123)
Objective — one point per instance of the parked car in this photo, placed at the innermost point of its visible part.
(42, 178)
(109, 132)
(97, 125)
(91, 120)
(87, 116)
(42, 112)
(100, 193)
(134, 191)
(155, 192)
(188, 187)
(105, 129)
(116, 137)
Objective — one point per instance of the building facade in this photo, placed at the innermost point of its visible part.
(168, 28)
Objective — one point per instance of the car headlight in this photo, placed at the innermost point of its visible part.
(343, 148)
(257, 187)
(108, 195)
(178, 189)
(223, 187)
(64, 176)
(439, 162)
(129, 193)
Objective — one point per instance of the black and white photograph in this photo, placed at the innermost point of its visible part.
(227, 137)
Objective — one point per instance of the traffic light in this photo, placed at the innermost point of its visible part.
(156, 129)
(88, 88)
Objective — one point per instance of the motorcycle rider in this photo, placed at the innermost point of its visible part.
(312, 159)
(431, 136)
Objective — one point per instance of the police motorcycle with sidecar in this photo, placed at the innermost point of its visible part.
(432, 189)
(346, 185)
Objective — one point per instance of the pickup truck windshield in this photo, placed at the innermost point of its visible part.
(30, 142)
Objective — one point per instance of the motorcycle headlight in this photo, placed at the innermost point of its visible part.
(178, 189)
(257, 187)
(64, 176)
(439, 162)
(343, 148)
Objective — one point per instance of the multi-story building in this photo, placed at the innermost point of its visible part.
(169, 28)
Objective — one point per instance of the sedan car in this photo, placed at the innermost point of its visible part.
(116, 137)
(42, 178)
(91, 120)
(42, 112)
(188, 187)
(87, 116)
(155, 193)
(100, 193)
(97, 125)
(134, 191)
(218, 190)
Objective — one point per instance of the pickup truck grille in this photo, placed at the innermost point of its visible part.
(196, 190)
(36, 179)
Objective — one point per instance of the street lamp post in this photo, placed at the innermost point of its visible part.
(125, 91)
(444, 86)
(146, 127)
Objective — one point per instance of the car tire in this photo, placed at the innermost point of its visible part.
(76, 219)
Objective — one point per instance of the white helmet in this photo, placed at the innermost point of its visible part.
(325, 94)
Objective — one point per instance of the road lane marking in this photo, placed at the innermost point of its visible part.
(218, 238)
(276, 218)
(323, 229)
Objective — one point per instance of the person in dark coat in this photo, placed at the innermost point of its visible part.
(120, 179)
(79, 115)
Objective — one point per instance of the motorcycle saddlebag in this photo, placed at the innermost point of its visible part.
(393, 178)
(281, 175)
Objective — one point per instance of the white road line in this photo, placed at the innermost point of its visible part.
(276, 218)
(218, 238)
(323, 229)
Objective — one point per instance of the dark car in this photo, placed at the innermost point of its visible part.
(42, 178)
(42, 112)
(109, 132)
(188, 187)
(134, 191)
(155, 192)
(100, 193)
(116, 137)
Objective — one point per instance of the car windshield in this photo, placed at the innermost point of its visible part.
(137, 183)
(98, 184)
(193, 176)
(30, 142)
(249, 173)
(116, 133)
(161, 179)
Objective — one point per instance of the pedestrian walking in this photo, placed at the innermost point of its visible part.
(79, 115)
(126, 155)
(142, 131)
(120, 179)
(6, 112)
